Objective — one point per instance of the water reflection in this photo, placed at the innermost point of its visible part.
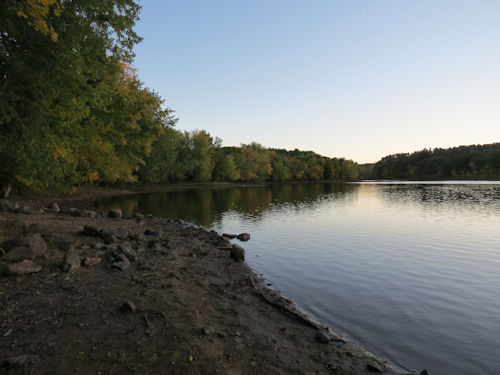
(205, 206)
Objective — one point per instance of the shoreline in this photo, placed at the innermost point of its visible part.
(262, 331)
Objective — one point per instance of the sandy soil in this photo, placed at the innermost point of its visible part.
(182, 304)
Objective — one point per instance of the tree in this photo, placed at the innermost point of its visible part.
(255, 163)
(70, 110)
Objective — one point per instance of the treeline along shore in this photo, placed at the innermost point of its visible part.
(73, 112)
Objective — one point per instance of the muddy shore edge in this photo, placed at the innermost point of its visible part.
(107, 293)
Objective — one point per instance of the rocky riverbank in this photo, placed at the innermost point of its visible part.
(105, 293)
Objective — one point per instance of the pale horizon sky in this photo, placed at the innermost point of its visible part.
(359, 79)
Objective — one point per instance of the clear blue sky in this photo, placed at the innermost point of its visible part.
(355, 79)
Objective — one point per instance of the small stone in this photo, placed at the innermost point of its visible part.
(121, 265)
(127, 250)
(139, 216)
(115, 213)
(22, 268)
(33, 228)
(108, 237)
(91, 262)
(149, 232)
(5, 192)
(24, 209)
(374, 366)
(237, 252)
(54, 207)
(18, 254)
(209, 330)
(322, 337)
(7, 205)
(229, 235)
(90, 230)
(128, 307)
(20, 360)
(72, 261)
(243, 237)
(74, 211)
(89, 213)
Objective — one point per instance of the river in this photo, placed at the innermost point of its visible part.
(411, 271)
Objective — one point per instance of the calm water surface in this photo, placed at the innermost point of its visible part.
(409, 270)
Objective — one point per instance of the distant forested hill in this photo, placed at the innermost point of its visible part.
(463, 162)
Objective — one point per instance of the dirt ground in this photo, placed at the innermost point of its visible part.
(150, 296)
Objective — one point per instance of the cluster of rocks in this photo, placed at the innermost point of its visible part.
(18, 253)
(10, 206)
(119, 247)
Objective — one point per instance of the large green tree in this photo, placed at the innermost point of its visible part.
(70, 109)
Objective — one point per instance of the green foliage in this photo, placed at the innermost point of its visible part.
(225, 168)
(71, 111)
(464, 162)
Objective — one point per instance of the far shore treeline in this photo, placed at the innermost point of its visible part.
(73, 112)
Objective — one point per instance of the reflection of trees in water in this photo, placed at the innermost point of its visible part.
(482, 197)
(206, 206)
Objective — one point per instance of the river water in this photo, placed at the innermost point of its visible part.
(411, 271)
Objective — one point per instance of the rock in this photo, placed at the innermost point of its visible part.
(243, 236)
(322, 337)
(24, 267)
(3, 268)
(5, 192)
(33, 228)
(121, 265)
(20, 360)
(139, 216)
(71, 261)
(108, 237)
(128, 307)
(115, 213)
(121, 233)
(74, 211)
(33, 241)
(138, 237)
(209, 330)
(127, 250)
(54, 207)
(6, 205)
(237, 252)
(425, 372)
(90, 230)
(24, 209)
(91, 262)
(228, 235)
(18, 254)
(374, 366)
(148, 232)
(88, 213)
